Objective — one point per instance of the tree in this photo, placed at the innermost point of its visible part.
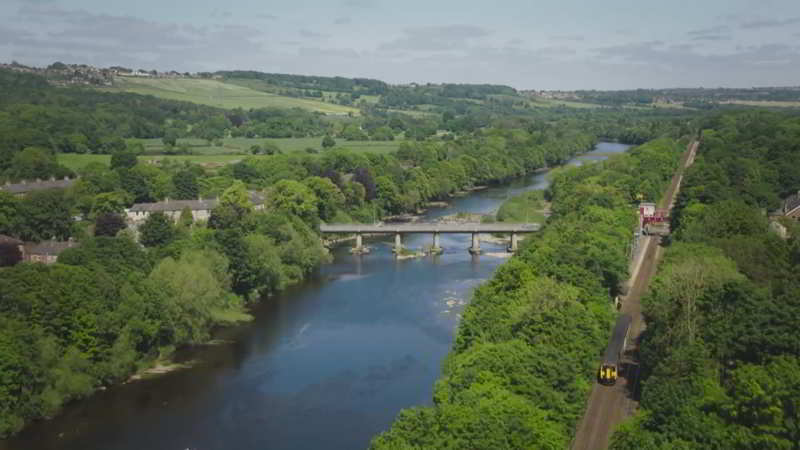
(328, 141)
(186, 186)
(36, 162)
(389, 194)
(45, 215)
(10, 217)
(292, 197)
(233, 207)
(363, 176)
(108, 224)
(170, 137)
(9, 254)
(157, 230)
(329, 198)
(186, 219)
(123, 160)
(108, 203)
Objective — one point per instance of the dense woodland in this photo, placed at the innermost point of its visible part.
(525, 355)
(720, 358)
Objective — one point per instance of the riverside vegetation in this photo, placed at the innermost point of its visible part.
(525, 354)
(113, 305)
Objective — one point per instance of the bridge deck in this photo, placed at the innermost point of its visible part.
(431, 228)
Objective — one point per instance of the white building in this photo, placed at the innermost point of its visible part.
(200, 208)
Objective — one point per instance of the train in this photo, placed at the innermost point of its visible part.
(611, 366)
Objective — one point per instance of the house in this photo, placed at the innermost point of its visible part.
(24, 187)
(791, 206)
(46, 251)
(200, 208)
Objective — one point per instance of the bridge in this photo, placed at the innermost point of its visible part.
(433, 228)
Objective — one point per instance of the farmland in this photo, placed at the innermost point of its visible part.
(231, 150)
(219, 94)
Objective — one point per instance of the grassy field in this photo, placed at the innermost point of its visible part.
(219, 94)
(523, 208)
(764, 103)
(287, 145)
(540, 102)
(232, 150)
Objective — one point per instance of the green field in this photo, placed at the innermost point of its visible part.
(232, 150)
(540, 102)
(765, 103)
(219, 94)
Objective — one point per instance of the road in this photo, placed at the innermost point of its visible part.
(608, 406)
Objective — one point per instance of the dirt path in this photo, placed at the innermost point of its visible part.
(609, 405)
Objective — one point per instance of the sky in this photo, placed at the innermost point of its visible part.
(527, 44)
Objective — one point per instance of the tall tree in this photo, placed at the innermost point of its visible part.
(157, 230)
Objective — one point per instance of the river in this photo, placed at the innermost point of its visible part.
(327, 364)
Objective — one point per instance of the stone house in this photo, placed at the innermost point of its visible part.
(24, 187)
(200, 208)
(46, 251)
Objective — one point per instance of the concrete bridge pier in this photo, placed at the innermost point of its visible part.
(476, 244)
(398, 243)
(436, 249)
(359, 248)
(514, 243)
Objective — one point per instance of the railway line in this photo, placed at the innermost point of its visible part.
(609, 405)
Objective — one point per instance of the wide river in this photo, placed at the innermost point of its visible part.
(325, 365)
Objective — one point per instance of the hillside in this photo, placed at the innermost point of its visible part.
(218, 94)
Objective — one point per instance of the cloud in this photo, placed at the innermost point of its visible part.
(769, 23)
(712, 37)
(342, 21)
(710, 30)
(361, 4)
(569, 37)
(308, 34)
(266, 16)
(81, 36)
(436, 38)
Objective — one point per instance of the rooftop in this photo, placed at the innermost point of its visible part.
(27, 186)
(9, 240)
(193, 205)
(791, 203)
(51, 247)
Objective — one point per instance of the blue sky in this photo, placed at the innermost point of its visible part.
(566, 44)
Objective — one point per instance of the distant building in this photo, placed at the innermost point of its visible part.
(24, 187)
(46, 251)
(200, 208)
(791, 206)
